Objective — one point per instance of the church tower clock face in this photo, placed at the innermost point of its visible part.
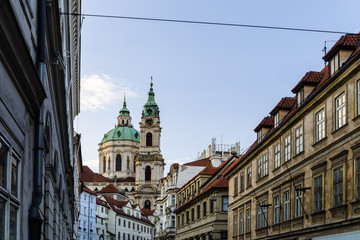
(149, 122)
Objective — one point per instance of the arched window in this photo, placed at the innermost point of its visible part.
(118, 163)
(147, 204)
(109, 164)
(148, 173)
(128, 163)
(148, 139)
(104, 165)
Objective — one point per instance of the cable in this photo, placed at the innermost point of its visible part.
(207, 23)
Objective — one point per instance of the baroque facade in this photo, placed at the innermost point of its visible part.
(131, 160)
(39, 98)
(300, 178)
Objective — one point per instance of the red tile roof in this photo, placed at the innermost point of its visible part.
(201, 163)
(348, 41)
(101, 202)
(286, 103)
(88, 190)
(267, 122)
(109, 189)
(175, 166)
(89, 176)
(311, 78)
(147, 212)
(344, 40)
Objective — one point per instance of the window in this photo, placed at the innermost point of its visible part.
(340, 111)
(287, 145)
(192, 215)
(276, 219)
(259, 137)
(148, 139)
(338, 186)
(225, 202)
(320, 125)
(259, 168)
(127, 163)
(204, 209)
(241, 181)
(104, 164)
(148, 173)
(248, 180)
(118, 163)
(265, 164)
(223, 235)
(182, 220)
(198, 211)
(211, 206)
(147, 204)
(172, 200)
(262, 166)
(241, 223)
(236, 186)
(187, 217)
(235, 225)
(300, 97)
(318, 193)
(261, 217)
(276, 119)
(298, 140)
(248, 220)
(277, 156)
(109, 164)
(286, 206)
(358, 97)
(298, 203)
(173, 221)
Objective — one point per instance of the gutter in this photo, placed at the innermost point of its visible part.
(35, 220)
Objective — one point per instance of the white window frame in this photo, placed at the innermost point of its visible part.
(265, 164)
(276, 119)
(340, 111)
(235, 225)
(298, 140)
(286, 202)
(10, 196)
(320, 125)
(259, 168)
(248, 177)
(276, 216)
(287, 148)
(277, 156)
(248, 220)
(241, 219)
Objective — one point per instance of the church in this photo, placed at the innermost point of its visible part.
(130, 160)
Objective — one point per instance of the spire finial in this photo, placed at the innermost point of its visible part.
(151, 83)
(124, 97)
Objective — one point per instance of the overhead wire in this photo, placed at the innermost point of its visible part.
(207, 23)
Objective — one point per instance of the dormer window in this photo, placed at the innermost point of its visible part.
(334, 64)
(300, 97)
(259, 136)
(276, 119)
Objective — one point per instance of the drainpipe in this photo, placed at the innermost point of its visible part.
(35, 220)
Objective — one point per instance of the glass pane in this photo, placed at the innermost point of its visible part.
(12, 223)
(14, 177)
(3, 158)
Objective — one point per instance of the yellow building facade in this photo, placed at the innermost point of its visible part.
(301, 178)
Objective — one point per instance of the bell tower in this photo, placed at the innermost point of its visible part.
(149, 163)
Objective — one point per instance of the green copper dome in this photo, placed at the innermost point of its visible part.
(150, 107)
(122, 133)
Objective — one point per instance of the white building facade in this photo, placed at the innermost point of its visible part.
(87, 216)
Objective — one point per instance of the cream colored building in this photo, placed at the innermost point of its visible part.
(301, 178)
(132, 160)
(202, 205)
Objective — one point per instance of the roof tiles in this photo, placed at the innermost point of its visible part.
(348, 41)
(285, 103)
(267, 122)
(310, 78)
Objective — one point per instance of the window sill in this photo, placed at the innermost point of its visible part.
(356, 118)
(320, 141)
(264, 177)
(276, 169)
(339, 211)
(340, 128)
(298, 154)
(318, 217)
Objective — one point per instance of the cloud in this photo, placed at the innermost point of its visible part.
(93, 164)
(100, 91)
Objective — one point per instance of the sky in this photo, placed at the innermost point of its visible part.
(209, 81)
